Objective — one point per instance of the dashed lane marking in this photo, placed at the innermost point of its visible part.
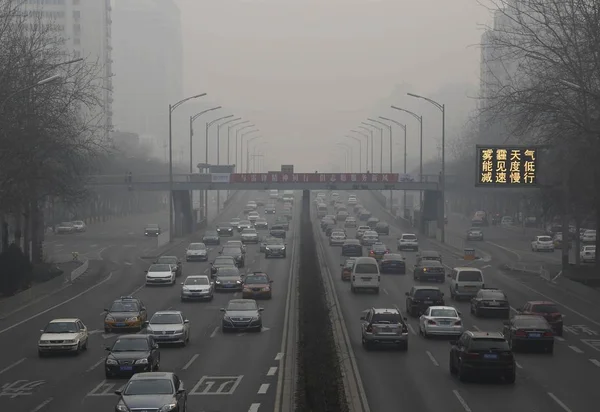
(42, 405)
(476, 328)
(95, 365)
(263, 388)
(576, 349)
(435, 362)
(559, 338)
(462, 401)
(254, 407)
(272, 371)
(385, 291)
(187, 365)
(595, 362)
(559, 402)
(12, 365)
(93, 246)
(279, 356)
(518, 365)
(412, 330)
(136, 290)
(128, 263)
(214, 332)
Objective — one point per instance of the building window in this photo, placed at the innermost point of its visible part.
(77, 28)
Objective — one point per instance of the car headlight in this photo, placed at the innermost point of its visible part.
(71, 341)
(218, 282)
(132, 319)
(109, 318)
(238, 282)
(226, 318)
(111, 362)
(283, 248)
(268, 248)
(168, 407)
(185, 289)
(122, 408)
(179, 331)
(141, 361)
(44, 341)
(256, 317)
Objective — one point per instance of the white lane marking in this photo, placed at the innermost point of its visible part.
(595, 362)
(486, 266)
(462, 401)
(59, 245)
(559, 402)
(279, 356)
(505, 248)
(518, 365)
(254, 407)
(214, 332)
(103, 313)
(435, 362)
(263, 388)
(513, 309)
(187, 365)
(385, 291)
(128, 263)
(95, 365)
(37, 315)
(137, 289)
(576, 349)
(12, 365)
(42, 405)
(559, 338)
(206, 270)
(93, 246)
(476, 328)
(272, 371)
(411, 329)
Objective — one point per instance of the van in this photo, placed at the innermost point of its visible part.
(365, 275)
(465, 282)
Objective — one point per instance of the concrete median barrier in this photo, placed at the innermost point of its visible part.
(80, 270)
(163, 239)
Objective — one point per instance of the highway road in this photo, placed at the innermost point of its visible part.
(420, 380)
(244, 366)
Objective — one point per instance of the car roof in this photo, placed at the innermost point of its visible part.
(241, 300)
(443, 308)
(65, 320)
(385, 310)
(133, 336)
(366, 259)
(152, 375)
(526, 317)
(167, 312)
(167, 256)
(426, 288)
(353, 241)
(409, 234)
(197, 277)
(483, 335)
(129, 298)
(541, 302)
(429, 253)
(459, 268)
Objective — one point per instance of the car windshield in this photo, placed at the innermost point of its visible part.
(226, 271)
(245, 222)
(160, 267)
(476, 230)
(256, 280)
(545, 239)
(274, 242)
(232, 251)
(166, 319)
(149, 387)
(78, 222)
(545, 308)
(236, 243)
(224, 226)
(428, 294)
(444, 313)
(493, 295)
(61, 327)
(210, 233)
(366, 268)
(352, 242)
(127, 345)
(224, 260)
(532, 322)
(379, 247)
(350, 264)
(261, 220)
(432, 264)
(483, 344)
(197, 246)
(66, 224)
(169, 260)
(469, 276)
(196, 281)
(152, 226)
(386, 318)
(240, 305)
(409, 237)
(124, 307)
(248, 232)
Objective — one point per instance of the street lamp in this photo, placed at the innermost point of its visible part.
(442, 109)
(349, 153)
(208, 124)
(219, 137)
(420, 120)
(356, 139)
(242, 147)
(403, 126)
(229, 137)
(237, 137)
(248, 150)
(192, 120)
(254, 155)
(380, 129)
(371, 131)
(47, 80)
(381, 144)
(366, 136)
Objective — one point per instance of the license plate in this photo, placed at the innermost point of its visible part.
(366, 279)
(490, 356)
(196, 293)
(119, 325)
(126, 368)
(534, 335)
(494, 304)
(428, 302)
(470, 287)
(229, 286)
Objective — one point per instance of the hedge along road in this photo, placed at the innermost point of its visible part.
(244, 366)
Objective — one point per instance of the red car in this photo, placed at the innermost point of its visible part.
(547, 310)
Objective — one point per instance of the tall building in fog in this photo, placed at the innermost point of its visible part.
(148, 65)
(86, 28)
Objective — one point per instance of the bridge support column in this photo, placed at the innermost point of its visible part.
(184, 223)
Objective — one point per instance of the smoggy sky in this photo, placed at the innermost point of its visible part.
(308, 71)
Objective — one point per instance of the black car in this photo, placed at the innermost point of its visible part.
(426, 255)
(170, 260)
(529, 331)
(372, 222)
(131, 354)
(421, 297)
(490, 302)
(478, 354)
(241, 314)
(153, 391)
(225, 229)
(222, 261)
(283, 221)
(382, 228)
(364, 215)
(330, 228)
(429, 271)
(261, 224)
(275, 248)
(227, 280)
(152, 229)
(236, 253)
(326, 221)
(211, 237)
(393, 263)
(352, 247)
(278, 230)
(270, 209)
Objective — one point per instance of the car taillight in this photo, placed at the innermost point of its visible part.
(353, 278)
(520, 333)
(372, 252)
(471, 355)
(379, 278)
(548, 334)
(431, 322)
(458, 323)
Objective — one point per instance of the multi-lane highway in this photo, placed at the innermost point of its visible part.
(232, 372)
(420, 380)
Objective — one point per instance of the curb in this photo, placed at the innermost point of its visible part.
(80, 270)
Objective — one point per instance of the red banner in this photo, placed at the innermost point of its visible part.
(331, 178)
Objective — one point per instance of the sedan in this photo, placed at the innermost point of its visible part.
(278, 230)
(393, 263)
(225, 229)
(65, 227)
(244, 224)
(131, 354)
(257, 285)
(527, 331)
(475, 234)
(241, 314)
(63, 335)
(197, 287)
(169, 326)
(235, 222)
(249, 236)
(160, 274)
(440, 320)
(196, 251)
(352, 247)
(222, 261)
(153, 391)
(337, 238)
(211, 237)
(173, 261)
(79, 226)
(261, 224)
(378, 250)
(228, 282)
(490, 302)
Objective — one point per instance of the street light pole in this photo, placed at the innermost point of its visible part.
(380, 129)
(229, 137)
(442, 108)
(403, 126)
(219, 137)
(349, 152)
(236, 147)
(192, 120)
(371, 131)
(366, 136)
(248, 151)
(172, 108)
(356, 139)
(208, 124)
(242, 147)
(390, 135)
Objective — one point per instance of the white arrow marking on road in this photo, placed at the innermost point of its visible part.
(264, 329)
(95, 332)
(108, 335)
(128, 263)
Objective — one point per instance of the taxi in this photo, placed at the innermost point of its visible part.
(378, 250)
(256, 286)
(125, 313)
(347, 268)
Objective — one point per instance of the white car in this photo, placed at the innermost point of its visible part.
(352, 201)
(350, 222)
(79, 226)
(252, 204)
(196, 251)
(63, 335)
(253, 216)
(408, 241)
(65, 227)
(588, 254)
(369, 238)
(337, 238)
(440, 321)
(161, 274)
(169, 326)
(589, 236)
(235, 222)
(543, 242)
(249, 236)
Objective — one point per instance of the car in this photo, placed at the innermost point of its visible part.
(330, 229)
(261, 224)
(244, 224)
(270, 209)
(365, 275)
(173, 261)
(287, 205)
(197, 287)
(153, 391)
(369, 238)
(383, 326)
(357, 208)
(131, 354)
(196, 251)
(408, 241)
(250, 236)
(257, 285)
(229, 279)
(252, 205)
(529, 331)
(421, 297)
(79, 226)
(352, 201)
(475, 233)
(364, 215)
(350, 222)
(548, 310)
(287, 213)
(236, 243)
(211, 237)
(125, 313)
(352, 247)
(465, 282)
(278, 230)
(273, 194)
(341, 215)
(235, 222)
(236, 253)
(337, 238)
(378, 250)
(429, 271)
(506, 221)
(347, 267)
(589, 236)
(63, 335)
(484, 354)
(393, 263)
(241, 314)
(322, 210)
(382, 228)
(65, 228)
(360, 231)
(372, 222)
(169, 326)
(327, 221)
(440, 321)
(260, 202)
(253, 217)
(224, 229)
(542, 243)
(222, 261)
(152, 229)
(427, 255)
(264, 242)
(161, 274)
(276, 247)
(283, 221)
(490, 301)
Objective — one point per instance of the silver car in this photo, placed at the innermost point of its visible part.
(440, 320)
(337, 238)
(197, 287)
(65, 227)
(369, 238)
(169, 326)
(383, 327)
(249, 236)
(196, 251)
